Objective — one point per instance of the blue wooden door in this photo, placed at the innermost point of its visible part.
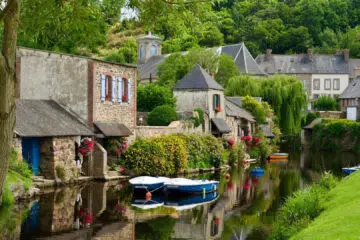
(31, 153)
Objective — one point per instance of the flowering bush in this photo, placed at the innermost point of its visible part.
(117, 146)
(86, 146)
(218, 109)
(231, 141)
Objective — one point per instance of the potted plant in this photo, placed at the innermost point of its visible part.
(218, 109)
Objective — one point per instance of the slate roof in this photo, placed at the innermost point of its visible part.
(243, 59)
(240, 54)
(352, 90)
(199, 79)
(113, 129)
(302, 64)
(238, 100)
(234, 110)
(221, 125)
(46, 118)
(149, 36)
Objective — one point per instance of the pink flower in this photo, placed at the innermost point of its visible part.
(231, 141)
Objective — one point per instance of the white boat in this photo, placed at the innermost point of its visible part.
(190, 186)
(147, 204)
(148, 183)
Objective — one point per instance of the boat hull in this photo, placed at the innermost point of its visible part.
(147, 187)
(278, 156)
(348, 171)
(210, 187)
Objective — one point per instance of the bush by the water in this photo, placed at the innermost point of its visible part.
(325, 103)
(336, 134)
(168, 155)
(162, 115)
(302, 207)
(311, 116)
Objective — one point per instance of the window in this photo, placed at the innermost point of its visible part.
(153, 50)
(327, 84)
(336, 84)
(216, 102)
(125, 90)
(142, 52)
(108, 88)
(317, 84)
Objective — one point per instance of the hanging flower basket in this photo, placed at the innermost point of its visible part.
(218, 109)
(86, 147)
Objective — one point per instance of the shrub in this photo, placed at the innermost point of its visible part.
(325, 103)
(256, 108)
(19, 166)
(311, 116)
(199, 119)
(157, 156)
(237, 154)
(153, 95)
(162, 115)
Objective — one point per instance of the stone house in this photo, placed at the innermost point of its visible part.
(197, 89)
(320, 74)
(47, 132)
(150, 57)
(351, 96)
(101, 94)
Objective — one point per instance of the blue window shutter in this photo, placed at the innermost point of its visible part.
(102, 94)
(113, 89)
(120, 81)
(129, 90)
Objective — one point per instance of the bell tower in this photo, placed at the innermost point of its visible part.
(148, 46)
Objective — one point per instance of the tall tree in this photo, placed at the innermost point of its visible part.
(9, 15)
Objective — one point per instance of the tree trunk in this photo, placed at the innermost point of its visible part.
(10, 16)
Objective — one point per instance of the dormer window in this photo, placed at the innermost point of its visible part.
(153, 50)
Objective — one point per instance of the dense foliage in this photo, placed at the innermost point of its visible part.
(152, 95)
(255, 108)
(168, 155)
(162, 115)
(301, 208)
(311, 116)
(336, 134)
(325, 103)
(285, 94)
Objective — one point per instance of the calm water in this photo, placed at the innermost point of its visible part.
(243, 208)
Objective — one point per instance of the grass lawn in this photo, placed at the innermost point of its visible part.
(341, 217)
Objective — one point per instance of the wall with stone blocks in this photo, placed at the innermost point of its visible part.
(17, 145)
(58, 152)
(332, 114)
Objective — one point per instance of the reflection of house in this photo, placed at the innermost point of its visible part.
(150, 58)
(94, 91)
(320, 74)
(199, 90)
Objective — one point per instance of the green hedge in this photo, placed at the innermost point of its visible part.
(168, 155)
(336, 134)
(162, 115)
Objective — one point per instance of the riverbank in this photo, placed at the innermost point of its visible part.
(340, 218)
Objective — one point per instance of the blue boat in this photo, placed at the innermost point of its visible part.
(144, 204)
(257, 172)
(147, 183)
(348, 171)
(192, 201)
(183, 185)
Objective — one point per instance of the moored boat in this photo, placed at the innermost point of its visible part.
(350, 170)
(191, 201)
(278, 156)
(148, 183)
(183, 185)
(257, 172)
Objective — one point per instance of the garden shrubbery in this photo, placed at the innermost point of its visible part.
(302, 207)
(325, 103)
(169, 155)
(336, 134)
(162, 115)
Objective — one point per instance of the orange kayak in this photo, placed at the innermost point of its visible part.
(278, 156)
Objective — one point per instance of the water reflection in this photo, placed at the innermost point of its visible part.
(243, 208)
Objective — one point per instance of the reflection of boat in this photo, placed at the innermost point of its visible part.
(250, 160)
(257, 172)
(191, 201)
(350, 170)
(184, 185)
(148, 183)
(279, 161)
(148, 204)
(278, 156)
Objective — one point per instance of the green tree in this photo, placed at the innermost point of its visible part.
(256, 108)
(227, 69)
(173, 69)
(325, 103)
(243, 85)
(153, 95)
(351, 40)
(162, 116)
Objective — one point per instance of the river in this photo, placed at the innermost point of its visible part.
(243, 208)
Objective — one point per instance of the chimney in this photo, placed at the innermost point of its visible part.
(356, 71)
(268, 52)
(310, 54)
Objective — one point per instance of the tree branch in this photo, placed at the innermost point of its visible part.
(8, 9)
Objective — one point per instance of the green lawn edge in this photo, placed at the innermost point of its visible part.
(341, 217)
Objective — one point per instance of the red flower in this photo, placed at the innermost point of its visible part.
(218, 109)
(124, 98)
(256, 140)
(231, 141)
(246, 138)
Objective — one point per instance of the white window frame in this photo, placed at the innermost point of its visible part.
(336, 87)
(327, 80)
(314, 85)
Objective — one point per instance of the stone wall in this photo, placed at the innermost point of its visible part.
(58, 152)
(332, 114)
(234, 124)
(108, 111)
(17, 145)
(185, 127)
